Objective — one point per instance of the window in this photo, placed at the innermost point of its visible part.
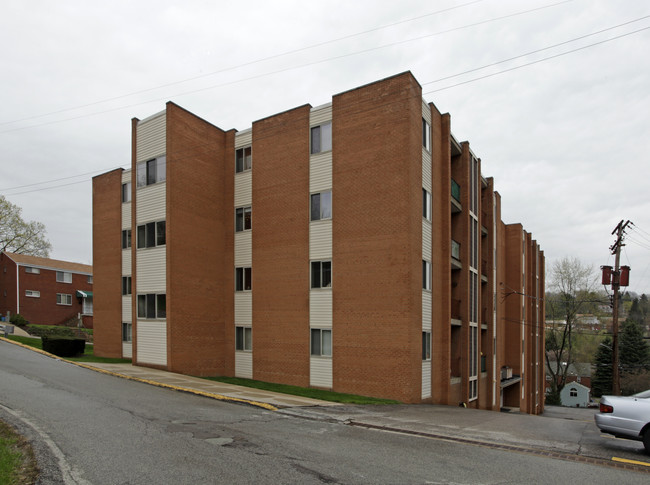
(243, 279)
(426, 345)
(244, 339)
(126, 238)
(63, 277)
(426, 135)
(87, 307)
(89, 279)
(152, 306)
(426, 275)
(29, 269)
(573, 392)
(152, 171)
(127, 329)
(126, 192)
(426, 205)
(321, 342)
(321, 206)
(243, 159)
(63, 299)
(126, 285)
(32, 293)
(321, 274)
(151, 235)
(243, 219)
(321, 138)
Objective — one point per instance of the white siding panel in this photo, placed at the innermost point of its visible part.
(126, 215)
(320, 240)
(426, 379)
(126, 176)
(244, 248)
(426, 240)
(151, 137)
(127, 306)
(151, 203)
(126, 262)
(320, 172)
(426, 170)
(244, 365)
(152, 342)
(320, 308)
(243, 138)
(243, 190)
(127, 350)
(320, 114)
(243, 308)
(426, 311)
(320, 372)
(426, 111)
(151, 271)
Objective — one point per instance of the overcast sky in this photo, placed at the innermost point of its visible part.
(566, 137)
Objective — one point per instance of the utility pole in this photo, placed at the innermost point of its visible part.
(616, 284)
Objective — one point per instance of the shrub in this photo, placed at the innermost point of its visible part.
(18, 320)
(64, 346)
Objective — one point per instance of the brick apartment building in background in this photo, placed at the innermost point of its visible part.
(353, 246)
(45, 291)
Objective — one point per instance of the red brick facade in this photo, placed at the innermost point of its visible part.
(377, 232)
(43, 308)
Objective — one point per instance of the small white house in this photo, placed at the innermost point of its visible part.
(575, 395)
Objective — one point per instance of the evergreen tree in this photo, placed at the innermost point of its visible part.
(602, 382)
(634, 358)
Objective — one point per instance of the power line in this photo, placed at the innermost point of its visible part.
(278, 71)
(537, 61)
(56, 180)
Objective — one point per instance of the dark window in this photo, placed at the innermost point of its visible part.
(243, 279)
(126, 192)
(426, 204)
(426, 135)
(126, 285)
(151, 171)
(152, 234)
(243, 159)
(426, 275)
(161, 237)
(426, 345)
(244, 338)
(152, 306)
(321, 342)
(321, 206)
(321, 274)
(126, 332)
(321, 138)
(126, 238)
(243, 219)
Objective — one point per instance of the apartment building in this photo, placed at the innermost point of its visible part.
(46, 291)
(353, 246)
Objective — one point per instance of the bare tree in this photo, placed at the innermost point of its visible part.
(19, 236)
(572, 291)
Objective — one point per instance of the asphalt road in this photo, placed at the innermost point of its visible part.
(90, 428)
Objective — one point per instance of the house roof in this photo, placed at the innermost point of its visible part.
(575, 384)
(47, 263)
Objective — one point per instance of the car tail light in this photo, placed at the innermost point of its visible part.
(605, 408)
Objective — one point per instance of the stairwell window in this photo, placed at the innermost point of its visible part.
(243, 159)
(152, 306)
(426, 205)
(426, 275)
(321, 342)
(243, 219)
(426, 135)
(321, 138)
(126, 192)
(244, 339)
(126, 238)
(63, 299)
(321, 274)
(151, 171)
(127, 329)
(126, 285)
(243, 279)
(63, 277)
(426, 345)
(321, 206)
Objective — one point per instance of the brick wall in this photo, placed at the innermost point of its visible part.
(377, 238)
(281, 248)
(198, 223)
(107, 264)
(7, 285)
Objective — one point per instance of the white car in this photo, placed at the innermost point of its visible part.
(626, 417)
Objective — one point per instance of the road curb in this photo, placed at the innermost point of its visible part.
(621, 465)
(219, 397)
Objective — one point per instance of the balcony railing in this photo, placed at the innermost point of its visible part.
(455, 190)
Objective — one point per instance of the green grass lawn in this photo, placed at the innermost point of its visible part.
(321, 394)
(88, 355)
(17, 462)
